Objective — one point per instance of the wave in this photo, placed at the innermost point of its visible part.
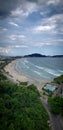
(61, 71)
(27, 67)
(26, 61)
(39, 67)
(52, 72)
(40, 74)
(23, 63)
(37, 72)
(42, 71)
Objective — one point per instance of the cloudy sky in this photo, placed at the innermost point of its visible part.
(31, 26)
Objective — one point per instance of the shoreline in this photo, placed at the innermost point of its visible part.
(16, 77)
(12, 72)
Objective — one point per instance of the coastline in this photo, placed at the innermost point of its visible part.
(17, 77)
(10, 69)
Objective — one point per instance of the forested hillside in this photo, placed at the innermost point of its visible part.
(21, 107)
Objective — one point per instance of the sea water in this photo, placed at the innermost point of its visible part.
(40, 68)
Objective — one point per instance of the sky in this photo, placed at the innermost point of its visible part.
(31, 26)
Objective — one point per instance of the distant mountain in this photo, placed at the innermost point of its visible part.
(40, 55)
(58, 56)
(35, 55)
(30, 55)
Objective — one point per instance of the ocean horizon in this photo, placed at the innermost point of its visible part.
(40, 68)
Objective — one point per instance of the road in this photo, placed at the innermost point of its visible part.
(56, 120)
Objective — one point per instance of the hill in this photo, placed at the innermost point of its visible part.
(35, 55)
(59, 56)
(30, 55)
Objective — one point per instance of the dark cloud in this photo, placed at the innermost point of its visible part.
(6, 6)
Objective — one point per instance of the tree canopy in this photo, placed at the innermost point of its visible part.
(21, 108)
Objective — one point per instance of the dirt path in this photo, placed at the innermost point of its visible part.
(55, 121)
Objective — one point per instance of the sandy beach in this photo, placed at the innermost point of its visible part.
(17, 77)
(10, 69)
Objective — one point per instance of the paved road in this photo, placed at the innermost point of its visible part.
(56, 121)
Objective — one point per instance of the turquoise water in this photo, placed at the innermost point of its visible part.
(40, 68)
(48, 87)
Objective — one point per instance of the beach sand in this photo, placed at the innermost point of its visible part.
(16, 77)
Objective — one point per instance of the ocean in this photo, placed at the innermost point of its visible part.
(40, 68)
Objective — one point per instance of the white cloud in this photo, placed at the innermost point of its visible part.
(18, 46)
(54, 2)
(4, 50)
(31, 7)
(41, 28)
(57, 21)
(49, 42)
(17, 12)
(14, 37)
(56, 17)
(53, 24)
(14, 24)
(3, 29)
(24, 9)
(41, 44)
(8, 49)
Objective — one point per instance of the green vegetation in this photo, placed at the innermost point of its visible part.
(2, 77)
(2, 65)
(24, 83)
(47, 92)
(59, 79)
(56, 105)
(21, 108)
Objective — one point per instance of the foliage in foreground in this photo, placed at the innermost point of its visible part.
(21, 108)
(2, 77)
(56, 105)
(59, 79)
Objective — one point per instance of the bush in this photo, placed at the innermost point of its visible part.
(21, 108)
(59, 79)
(56, 105)
(24, 83)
